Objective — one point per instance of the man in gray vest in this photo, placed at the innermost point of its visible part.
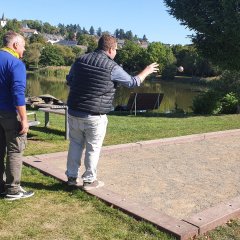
(92, 81)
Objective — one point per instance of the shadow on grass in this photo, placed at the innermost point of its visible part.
(75, 191)
(46, 130)
(55, 187)
(155, 114)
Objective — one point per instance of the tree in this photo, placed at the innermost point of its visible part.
(62, 29)
(132, 57)
(37, 38)
(2, 32)
(99, 32)
(116, 33)
(87, 40)
(91, 31)
(84, 31)
(163, 55)
(32, 54)
(92, 44)
(144, 38)
(82, 39)
(129, 35)
(216, 25)
(51, 57)
(121, 34)
(34, 24)
(67, 54)
(77, 51)
(71, 36)
(13, 25)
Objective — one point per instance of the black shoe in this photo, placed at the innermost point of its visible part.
(2, 189)
(2, 194)
(72, 181)
(21, 194)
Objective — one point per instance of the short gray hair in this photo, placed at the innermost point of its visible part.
(11, 36)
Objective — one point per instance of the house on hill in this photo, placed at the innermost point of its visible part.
(27, 32)
(68, 43)
(52, 38)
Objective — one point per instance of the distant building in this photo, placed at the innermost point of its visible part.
(120, 43)
(52, 38)
(67, 43)
(143, 44)
(3, 21)
(26, 31)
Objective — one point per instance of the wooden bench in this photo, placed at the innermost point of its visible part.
(34, 121)
(61, 110)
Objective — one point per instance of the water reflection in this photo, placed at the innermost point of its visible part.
(175, 94)
(56, 86)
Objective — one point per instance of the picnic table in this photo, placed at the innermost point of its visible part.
(56, 109)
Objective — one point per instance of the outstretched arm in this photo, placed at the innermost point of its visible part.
(148, 70)
(120, 76)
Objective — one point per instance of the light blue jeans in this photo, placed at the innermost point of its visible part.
(86, 132)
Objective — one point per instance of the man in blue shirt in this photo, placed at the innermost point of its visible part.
(92, 81)
(13, 116)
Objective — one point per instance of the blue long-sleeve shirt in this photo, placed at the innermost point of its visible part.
(12, 82)
(122, 77)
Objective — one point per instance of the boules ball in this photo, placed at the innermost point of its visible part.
(180, 69)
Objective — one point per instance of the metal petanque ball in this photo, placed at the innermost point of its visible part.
(180, 69)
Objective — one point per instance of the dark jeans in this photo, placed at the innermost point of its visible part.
(12, 145)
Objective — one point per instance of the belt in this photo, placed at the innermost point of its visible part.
(95, 114)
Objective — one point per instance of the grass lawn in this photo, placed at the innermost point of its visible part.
(58, 212)
(128, 128)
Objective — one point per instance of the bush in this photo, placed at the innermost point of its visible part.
(206, 103)
(222, 98)
(229, 103)
(228, 83)
(169, 72)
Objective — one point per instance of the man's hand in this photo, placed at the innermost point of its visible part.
(152, 68)
(23, 118)
(148, 70)
(25, 127)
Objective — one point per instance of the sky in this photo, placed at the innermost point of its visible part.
(149, 17)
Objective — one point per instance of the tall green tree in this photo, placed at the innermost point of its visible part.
(163, 55)
(13, 25)
(91, 31)
(32, 54)
(37, 38)
(67, 54)
(216, 24)
(99, 32)
(34, 24)
(50, 56)
(144, 38)
(132, 57)
(129, 35)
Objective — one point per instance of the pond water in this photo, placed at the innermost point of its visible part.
(176, 94)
